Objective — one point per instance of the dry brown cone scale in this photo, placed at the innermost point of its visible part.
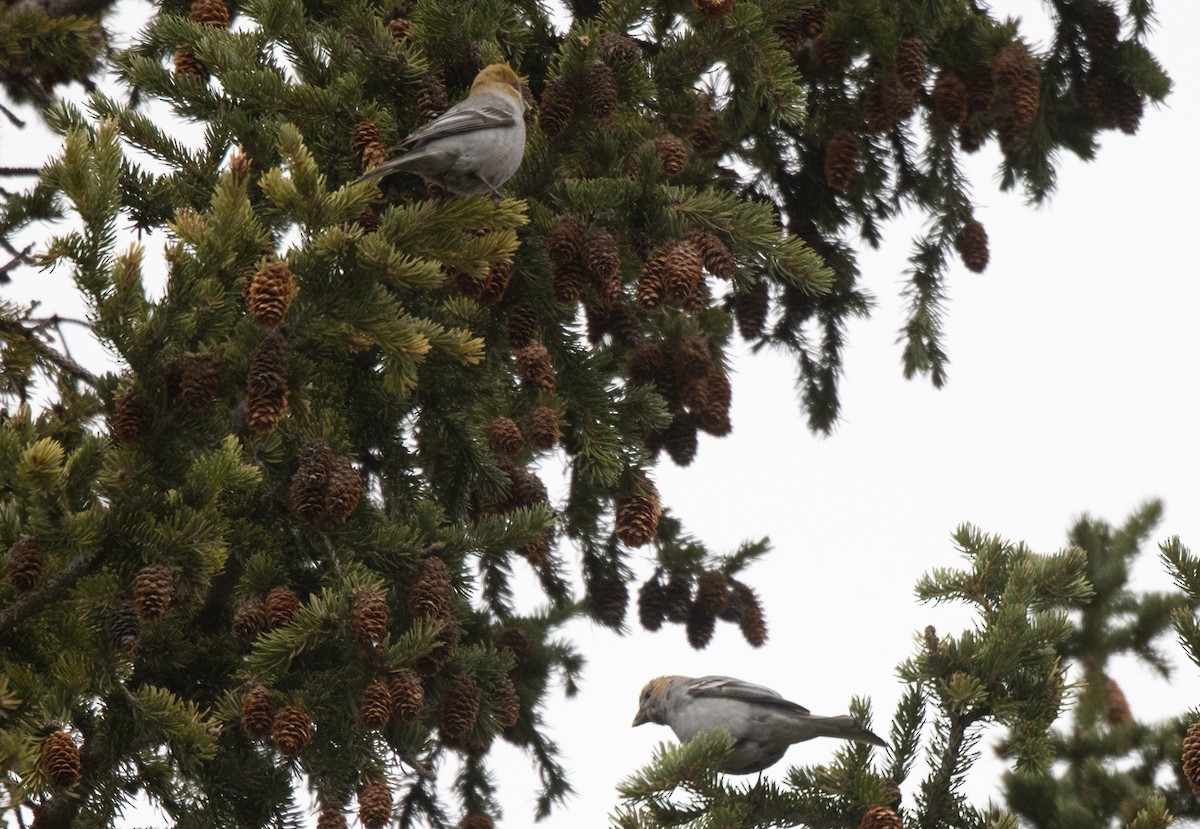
(515, 641)
(199, 381)
(880, 817)
(266, 384)
(375, 805)
(60, 759)
(366, 141)
(375, 707)
(153, 590)
(610, 599)
(250, 619)
(556, 107)
(600, 88)
(460, 708)
(207, 13)
(750, 308)
(506, 703)
(408, 695)
(131, 414)
(672, 152)
(258, 712)
(701, 625)
(533, 361)
(331, 817)
(292, 730)
(543, 428)
(951, 101)
(1191, 757)
(637, 517)
(651, 286)
(972, 245)
(368, 615)
(505, 436)
(567, 282)
(124, 629)
(712, 591)
(682, 271)
(520, 328)
(432, 99)
(281, 606)
(429, 595)
(25, 563)
(1026, 97)
(270, 294)
(912, 61)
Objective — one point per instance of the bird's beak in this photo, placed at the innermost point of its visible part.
(641, 718)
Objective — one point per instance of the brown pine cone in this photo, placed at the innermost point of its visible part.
(476, 820)
(431, 98)
(1026, 97)
(637, 517)
(408, 695)
(600, 86)
(651, 286)
(751, 308)
(1102, 29)
(266, 384)
(258, 712)
(1010, 62)
(375, 805)
(601, 256)
(566, 283)
(60, 759)
(692, 359)
(25, 563)
(521, 326)
(526, 489)
(400, 28)
(366, 141)
(972, 245)
(610, 598)
(514, 640)
(210, 13)
(672, 152)
(250, 619)
(368, 220)
(342, 494)
(543, 428)
(429, 594)
(980, 81)
(677, 599)
(1191, 757)
(718, 260)
(536, 552)
(331, 817)
(505, 702)
(623, 324)
(291, 730)
(460, 708)
(496, 282)
(880, 817)
(716, 9)
(652, 610)
(131, 414)
(646, 362)
(565, 241)
(712, 591)
(912, 61)
(199, 381)
(281, 606)
(619, 48)
(812, 21)
(832, 55)
(270, 295)
(1118, 706)
(950, 99)
(375, 707)
(841, 160)
(186, 63)
(877, 107)
(700, 626)
(1124, 108)
(505, 436)
(311, 482)
(682, 271)
(533, 361)
(153, 590)
(704, 134)
(368, 615)
(556, 107)
(751, 620)
(124, 629)
(713, 417)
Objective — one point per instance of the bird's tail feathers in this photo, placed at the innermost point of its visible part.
(845, 728)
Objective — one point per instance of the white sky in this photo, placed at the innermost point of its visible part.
(1072, 359)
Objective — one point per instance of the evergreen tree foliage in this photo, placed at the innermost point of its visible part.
(276, 545)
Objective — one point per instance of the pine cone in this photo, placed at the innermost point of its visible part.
(1102, 29)
(331, 817)
(682, 274)
(1124, 107)
(366, 141)
(718, 260)
(912, 61)
(210, 13)
(600, 86)
(623, 324)
(476, 821)
(496, 282)
(292, 730)
(258, 712)
(1191, 757)
(505, 436)
(266, 384)
(153, 591)
(812, 21)
(877, 107)
(950, 99)
(432, 100)
(832, 55)
(544, 431)
(651, 287)
(1010, 62)
(311, 482)
(505, 702)
(972, 245)
(619, 48)
(281, 606)
(704, 134)
(751, 308)
(375, 805)
(368, 615)
(1118, 706)
(716, 9)
(1026, 97)
(646, 363)
(712, 592)
(566, 283)
(637, 517)
(700, 626)
(368, 220)
(513, 640)
(25, 563)
(556, 107)
(841, 160)
(601, 256)
(536, 552)
(343, 493)
(692, 359)
(460, 708)
(714, 416)
(521, 326)
(124, 629)
(681, 439)
(187, 63)
(880, 817)
(407, 694)
(199, 381)
(60, 759)
(533, 361)
(400, 28)
(429, 595)
(677, 599)
(652, 609)
(565, 241)
(672, 152)
(375, 707)
(750, 619)
(131, 414)
(980, 81)
(250, 619)
(610, 598)
(527, 489)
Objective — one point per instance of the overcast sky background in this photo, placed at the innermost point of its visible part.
(1072, 389)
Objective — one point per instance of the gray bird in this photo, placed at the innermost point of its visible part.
(761, 722)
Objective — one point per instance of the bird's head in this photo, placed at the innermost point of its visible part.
(498, 78)
(652, 702)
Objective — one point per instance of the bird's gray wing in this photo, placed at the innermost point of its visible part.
(729, 688)
(480, 115)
